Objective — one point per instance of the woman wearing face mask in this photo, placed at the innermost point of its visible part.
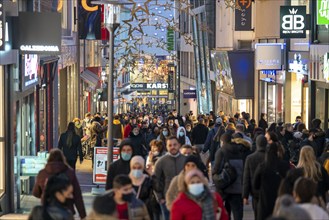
(181, 135)
(58, 191)
(142, 183)
(56, 165)
(155, 153)
(196, 201)
(164, 133)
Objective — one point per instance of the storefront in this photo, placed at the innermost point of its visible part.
(271, 79)
(319, 87)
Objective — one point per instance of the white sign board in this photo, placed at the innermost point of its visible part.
(269, 56)
(100, 163)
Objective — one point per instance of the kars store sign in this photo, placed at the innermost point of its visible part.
(322, 9)
(293, 22)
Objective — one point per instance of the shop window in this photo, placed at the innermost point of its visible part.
(2, 134)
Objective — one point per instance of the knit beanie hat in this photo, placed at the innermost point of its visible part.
(193, 159)
(289, 210)
(137, 159)
(261, 142)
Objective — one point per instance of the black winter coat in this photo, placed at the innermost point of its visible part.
(55, 211)
(71, 153)
(199, 134)
(263, 124)
(118, 167)
(138, 144)
(252, 161)
(267, 181)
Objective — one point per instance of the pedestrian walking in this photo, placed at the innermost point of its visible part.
(57, 165)
(166, 168)
(58, 190)
(120, 202)
(262, 122)
(70, 144)
(122, 165)
(196, 201)
(182, 137)
(267, 178)
(199, 134)
(251, 164)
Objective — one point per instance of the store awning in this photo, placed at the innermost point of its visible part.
(90, 78)
(243, 70)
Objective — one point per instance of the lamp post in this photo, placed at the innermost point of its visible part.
(112, 21)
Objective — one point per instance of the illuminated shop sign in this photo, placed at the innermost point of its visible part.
(243, 15)
(148, 86)
(322, 9)
(2, 26)
(293, 22)
(269, 56)
(39, 48)
(38, 33)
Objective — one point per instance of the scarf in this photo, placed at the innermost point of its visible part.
(205, 200)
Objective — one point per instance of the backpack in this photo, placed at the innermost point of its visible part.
(226, 177)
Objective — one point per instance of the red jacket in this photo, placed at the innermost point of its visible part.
(53, 168)
(186, 209)
(127, 130)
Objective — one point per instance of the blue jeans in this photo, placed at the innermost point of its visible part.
(165, 211)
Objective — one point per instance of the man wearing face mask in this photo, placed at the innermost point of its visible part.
(166, 168)
(121, 166)
(120, 202)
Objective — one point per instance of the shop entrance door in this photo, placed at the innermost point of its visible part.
(271, 101)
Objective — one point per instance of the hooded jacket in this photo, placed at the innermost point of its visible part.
(187, 140)
(118, 167)
(251, 164)
(117, 129)
(54, 168)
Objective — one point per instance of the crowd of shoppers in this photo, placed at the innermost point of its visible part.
(196, 167)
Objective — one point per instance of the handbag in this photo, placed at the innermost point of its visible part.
(226, 177)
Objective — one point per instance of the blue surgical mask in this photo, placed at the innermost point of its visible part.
(165, 133)
(181, 133)
(125, 156)
(196, 189)
(137, 173)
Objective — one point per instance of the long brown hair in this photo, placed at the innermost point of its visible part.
(56, 155)
(307, 161)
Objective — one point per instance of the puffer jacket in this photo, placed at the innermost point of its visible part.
(245, 147)
(232, 153)
(54, 168)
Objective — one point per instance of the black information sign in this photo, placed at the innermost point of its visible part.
(293, 21)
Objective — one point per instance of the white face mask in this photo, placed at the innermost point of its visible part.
(156, 153)
(196, 189)
(181, 134)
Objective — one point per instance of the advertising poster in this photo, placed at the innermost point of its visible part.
(89, 20)
(243, 16)
(100, 163)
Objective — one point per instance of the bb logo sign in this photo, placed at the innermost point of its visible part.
(293, 22)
